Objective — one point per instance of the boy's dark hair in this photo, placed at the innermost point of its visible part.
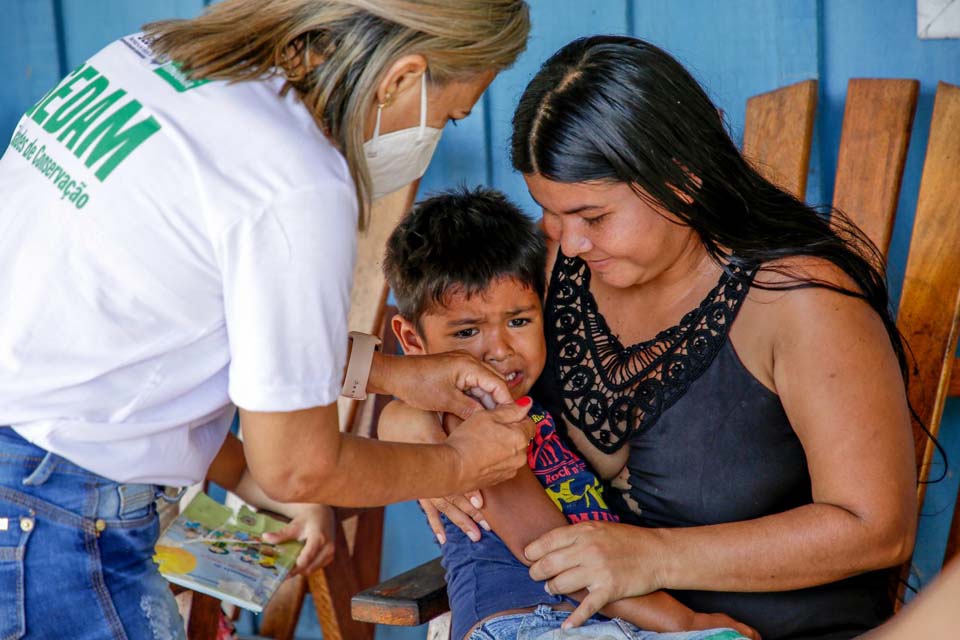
(462, 240)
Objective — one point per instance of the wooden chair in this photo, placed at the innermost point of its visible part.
(877, 121)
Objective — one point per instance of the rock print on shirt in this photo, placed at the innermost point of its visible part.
(572, 486)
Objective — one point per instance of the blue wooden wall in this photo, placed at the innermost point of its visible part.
(737, 48)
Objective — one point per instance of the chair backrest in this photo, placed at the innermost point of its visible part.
(368, 298)
(877, 120)
(930, 300)
(778, 132)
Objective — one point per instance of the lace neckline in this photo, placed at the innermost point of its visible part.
(610, 391)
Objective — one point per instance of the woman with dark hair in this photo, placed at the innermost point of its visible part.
(719, 351)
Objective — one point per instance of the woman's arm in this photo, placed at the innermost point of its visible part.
(229, 470)
(301, 456)
(840, 385)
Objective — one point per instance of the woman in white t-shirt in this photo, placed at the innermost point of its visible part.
(177, 237)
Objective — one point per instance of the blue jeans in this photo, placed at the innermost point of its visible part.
(76, 552)
(544, 624)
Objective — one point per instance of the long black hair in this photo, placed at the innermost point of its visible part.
(618, 109)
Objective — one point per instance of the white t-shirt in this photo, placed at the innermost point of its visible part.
(169, 249)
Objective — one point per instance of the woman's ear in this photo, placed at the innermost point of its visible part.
(406, 332)
(402, 75)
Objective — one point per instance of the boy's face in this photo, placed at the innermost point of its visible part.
(501, 326)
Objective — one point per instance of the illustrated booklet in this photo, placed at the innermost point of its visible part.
(212, 549)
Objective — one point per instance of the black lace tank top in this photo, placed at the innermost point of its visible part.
(708, 443)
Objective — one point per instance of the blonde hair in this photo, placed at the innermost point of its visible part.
(334, 53)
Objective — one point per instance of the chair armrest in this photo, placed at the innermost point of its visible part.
(409, 599)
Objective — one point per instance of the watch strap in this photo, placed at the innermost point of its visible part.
(358, 368)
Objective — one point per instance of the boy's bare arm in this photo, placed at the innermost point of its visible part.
(519, 511)
(399, 422)
(229, 464)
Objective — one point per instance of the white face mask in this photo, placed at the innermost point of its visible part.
(396, 159)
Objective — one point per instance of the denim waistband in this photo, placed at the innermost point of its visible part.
(27, 465)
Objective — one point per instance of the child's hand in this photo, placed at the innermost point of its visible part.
(314, 525)
(703, 621)
(461, 510)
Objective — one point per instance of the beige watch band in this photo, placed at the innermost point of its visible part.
(358, 369)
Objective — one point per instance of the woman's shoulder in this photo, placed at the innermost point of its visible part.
(795, 277)
(398, 419)
(801, 303)
(795, 291)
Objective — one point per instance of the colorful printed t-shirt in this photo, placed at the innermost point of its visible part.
(576, 491)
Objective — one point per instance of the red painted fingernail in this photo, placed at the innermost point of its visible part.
(525, 401)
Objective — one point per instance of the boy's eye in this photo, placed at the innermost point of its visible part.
(466, 333)
(519, 322)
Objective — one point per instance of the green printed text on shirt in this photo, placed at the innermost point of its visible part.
(98, 125)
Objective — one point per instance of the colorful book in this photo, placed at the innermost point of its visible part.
(212, 549)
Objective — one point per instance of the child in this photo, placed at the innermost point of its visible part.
(467, 269)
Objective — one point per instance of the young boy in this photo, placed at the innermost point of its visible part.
(467, 269)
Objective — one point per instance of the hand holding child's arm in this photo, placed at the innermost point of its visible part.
(402, 423)
(438, 382)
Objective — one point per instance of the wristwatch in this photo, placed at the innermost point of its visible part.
(358, 369)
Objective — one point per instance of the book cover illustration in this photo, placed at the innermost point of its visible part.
(214, 550)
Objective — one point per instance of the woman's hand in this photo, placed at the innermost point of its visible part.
(609, 560)
(314, 525)
(438, 382)
(704, 621)
(491, 445)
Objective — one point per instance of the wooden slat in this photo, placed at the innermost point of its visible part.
(281, 615)
(930, 301)
(200, 612)
(332, 589)
(877, 121)
(778, 132)
(369, 295)
(409, 599)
